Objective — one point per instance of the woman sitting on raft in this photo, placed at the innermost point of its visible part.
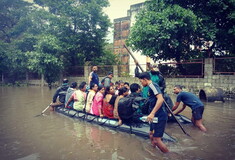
(96, 107)
(108, 102)
(78, 97)
(90, 96)
(122, 92)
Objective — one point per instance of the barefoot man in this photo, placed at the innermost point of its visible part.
(191, 100)
(155, 110)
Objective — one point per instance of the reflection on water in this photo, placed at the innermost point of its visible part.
(25, 137)
(30, 157)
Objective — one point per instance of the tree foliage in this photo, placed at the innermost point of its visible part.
(83, 26)
(108, 58)
(165, 32)
(11, 13)
(178, 30)
(51, 36)
(46, 58)
(12, 60)
(218, 19)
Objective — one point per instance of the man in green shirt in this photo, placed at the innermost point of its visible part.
(155, 76)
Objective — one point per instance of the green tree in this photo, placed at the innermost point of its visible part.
(13, 63)
(217, 23)
(47, 59)
(55, 34)
(165, 32)
(80, 27)
(178, 30)
(83, 29)
(11, 13)
(12, 60)
(3, 59)
(107, 58)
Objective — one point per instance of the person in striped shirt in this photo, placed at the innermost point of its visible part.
(156, 109)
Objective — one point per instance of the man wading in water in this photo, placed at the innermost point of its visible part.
(191, 100)
(155, 110)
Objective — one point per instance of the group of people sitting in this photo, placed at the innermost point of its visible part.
(103, 101)
(127, 103)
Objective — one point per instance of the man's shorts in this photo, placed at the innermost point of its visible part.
(158, 128)
(198, 112)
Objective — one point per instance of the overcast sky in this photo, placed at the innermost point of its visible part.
(118, 9)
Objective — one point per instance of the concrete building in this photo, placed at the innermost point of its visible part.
(121, 33)
(122, 27)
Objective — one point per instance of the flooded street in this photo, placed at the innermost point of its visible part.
(53, 137)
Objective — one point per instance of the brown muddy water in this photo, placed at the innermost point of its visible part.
(54, 137)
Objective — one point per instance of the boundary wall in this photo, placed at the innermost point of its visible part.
(195, 85)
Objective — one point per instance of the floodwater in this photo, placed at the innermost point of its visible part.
(54, 137)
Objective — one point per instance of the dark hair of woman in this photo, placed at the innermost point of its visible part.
(107, 90)
(100, 87)
(92, 85)
(74, 85)
(82, 85)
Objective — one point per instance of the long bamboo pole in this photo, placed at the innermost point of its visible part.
(133, 58)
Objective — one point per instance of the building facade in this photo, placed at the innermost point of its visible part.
(122, 27)
(121, 33)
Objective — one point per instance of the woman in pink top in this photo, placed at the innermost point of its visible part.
(96, 107)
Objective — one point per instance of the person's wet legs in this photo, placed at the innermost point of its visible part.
(199, 124)
(158, 142)
(151, 138)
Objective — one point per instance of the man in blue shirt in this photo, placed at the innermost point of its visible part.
(156, 109)
(191, 100)
(93, 76)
